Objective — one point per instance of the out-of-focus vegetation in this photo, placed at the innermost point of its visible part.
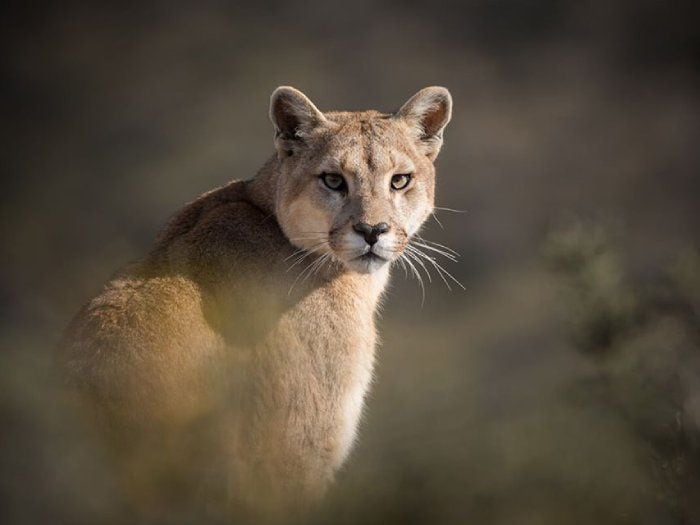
(565, 393)
(643, 339)
(562, 387)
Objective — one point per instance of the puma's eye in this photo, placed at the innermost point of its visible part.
(333, 181)
(400, 180)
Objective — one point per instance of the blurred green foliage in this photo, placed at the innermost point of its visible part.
(643, 337)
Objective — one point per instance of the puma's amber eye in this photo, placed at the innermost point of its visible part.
(333, 181)
(400, 180)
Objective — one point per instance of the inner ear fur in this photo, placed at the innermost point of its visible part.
(427, 113)
(294, 116)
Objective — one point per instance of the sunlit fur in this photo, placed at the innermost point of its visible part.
(235, 357)
(367, 149)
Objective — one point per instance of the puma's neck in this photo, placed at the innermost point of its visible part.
(262, 189)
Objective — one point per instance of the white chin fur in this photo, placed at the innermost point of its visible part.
(359, 247)
(362, 265)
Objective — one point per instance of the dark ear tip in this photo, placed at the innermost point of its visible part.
(279, 101)
(437, 97)
(285, 91)
(291, 112)
(438, 93)
(289, 96)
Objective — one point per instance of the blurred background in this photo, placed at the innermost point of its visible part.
(563, 386)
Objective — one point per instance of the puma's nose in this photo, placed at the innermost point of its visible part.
(371, 233)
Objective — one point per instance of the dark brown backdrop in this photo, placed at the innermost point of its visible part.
(562, 387)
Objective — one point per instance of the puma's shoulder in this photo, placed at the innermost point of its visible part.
(226, 206)
(221, 225)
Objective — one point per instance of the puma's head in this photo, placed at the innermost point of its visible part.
(356, 185)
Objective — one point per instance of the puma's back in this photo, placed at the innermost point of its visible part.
(233, 359)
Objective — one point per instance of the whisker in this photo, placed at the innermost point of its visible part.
(306, 253)
(454, 279)
(403, 265)
(329, 260)
(453, 252)
(300, 258)
(413, 256)
(432, 261)
(437, 250)
(300, 250)
(439, 269)
(302, 273)
(310, 249)
(322, 260)
(317, 268)
(309, 237)
(418, 276)
(442, 208)
(266, 217)
(437, 220)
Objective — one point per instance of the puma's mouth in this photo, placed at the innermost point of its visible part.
(371, 257)
(368, 262)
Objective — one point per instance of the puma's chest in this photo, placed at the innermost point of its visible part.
(317, 366)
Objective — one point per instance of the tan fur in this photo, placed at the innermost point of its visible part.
(213, 366)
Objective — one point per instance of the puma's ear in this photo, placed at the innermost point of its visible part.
(427, 113)
(294, 117)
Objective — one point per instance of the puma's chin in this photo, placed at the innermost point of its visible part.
(370, 262)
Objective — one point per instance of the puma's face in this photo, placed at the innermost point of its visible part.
(356, 186)
(359, 194)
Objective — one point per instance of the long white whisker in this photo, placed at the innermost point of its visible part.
(403, 265)
(442, 208)
(432, 261)
(327, 260)
(302, 273)
(306, 253)
(317, 266)
(412, 255)
(437, 250)
(309, 237)
(440, 269)
(418, 276)
(303, 255)
(300, 250)
(433, 243)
